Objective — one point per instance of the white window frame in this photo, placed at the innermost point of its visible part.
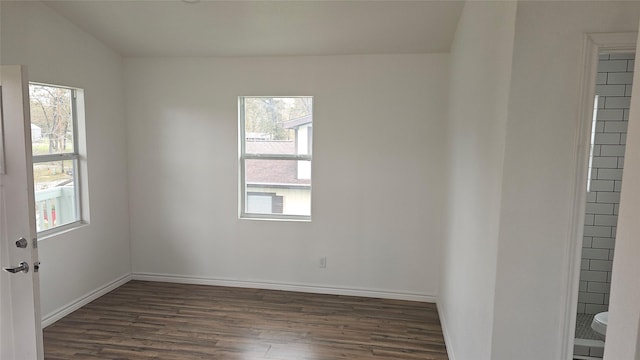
(77, 110)
(243, 214)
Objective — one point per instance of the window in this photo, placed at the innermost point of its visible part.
(56, 159)
(275, 157)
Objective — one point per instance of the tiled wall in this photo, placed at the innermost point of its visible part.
(615, 74)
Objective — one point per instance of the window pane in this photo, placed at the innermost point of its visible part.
(55, 193)
(264, 203)
(278, 187)
(51, 119)
(277, 125)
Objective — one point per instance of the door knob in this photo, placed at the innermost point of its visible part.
(22, 243)
(24, 267)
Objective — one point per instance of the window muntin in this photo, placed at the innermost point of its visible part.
(55, 157)
(275, 157)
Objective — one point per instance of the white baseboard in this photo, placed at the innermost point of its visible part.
(588, 343)
(67, 309)
(445, 332)
(314, 289)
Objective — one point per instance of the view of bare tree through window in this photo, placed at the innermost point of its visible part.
(55, 157)
(264, 116)
(51, 112)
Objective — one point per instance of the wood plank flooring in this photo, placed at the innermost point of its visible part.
(152, 320)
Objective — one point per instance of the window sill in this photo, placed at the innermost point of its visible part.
(280, 219)
(60, 230)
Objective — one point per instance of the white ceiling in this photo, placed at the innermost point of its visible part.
(265, 28)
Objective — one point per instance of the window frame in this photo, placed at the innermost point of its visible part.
(74, 156)
(243, 156)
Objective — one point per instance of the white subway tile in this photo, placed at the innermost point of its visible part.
(607, 138)
(581, 310)
(597, 231)
(598, 208)
(625, 114)
(586, 241)
(628, 90)
(591, 197)
(623, 139)
(630, 65)
(617, 102)
(621, 162)
(610, 114)
(611, 90)
(600, 265)
(598, 287)
(595, 254)
(612, 253)
(615, 126)
(603, 243)
(591, 298)
(604, 56)
(604, 162)
(608, 198)
(606, 220)
(612, 66)
(594, 309)
(620, 78)
(622, 56)
(589, 275)
(601, 78)
(616, 209)
(610, 174)
(602, 185)
(612, 150)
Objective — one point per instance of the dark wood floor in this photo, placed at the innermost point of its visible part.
(151, 320)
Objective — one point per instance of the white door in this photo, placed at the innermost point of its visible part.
(20, 323)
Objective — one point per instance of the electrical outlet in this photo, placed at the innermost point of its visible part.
(323, 262)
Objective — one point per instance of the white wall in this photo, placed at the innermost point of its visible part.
(540, 160)
(78, 262)
(623, 331)
(377, 171)
(480, 75)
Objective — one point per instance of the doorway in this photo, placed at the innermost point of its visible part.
(608, 61)
(604, 180)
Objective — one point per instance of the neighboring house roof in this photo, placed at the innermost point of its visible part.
(272, 171)
(257, 136)
(292, 124)
(270, 147)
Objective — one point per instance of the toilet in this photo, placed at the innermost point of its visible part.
(599, 323)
